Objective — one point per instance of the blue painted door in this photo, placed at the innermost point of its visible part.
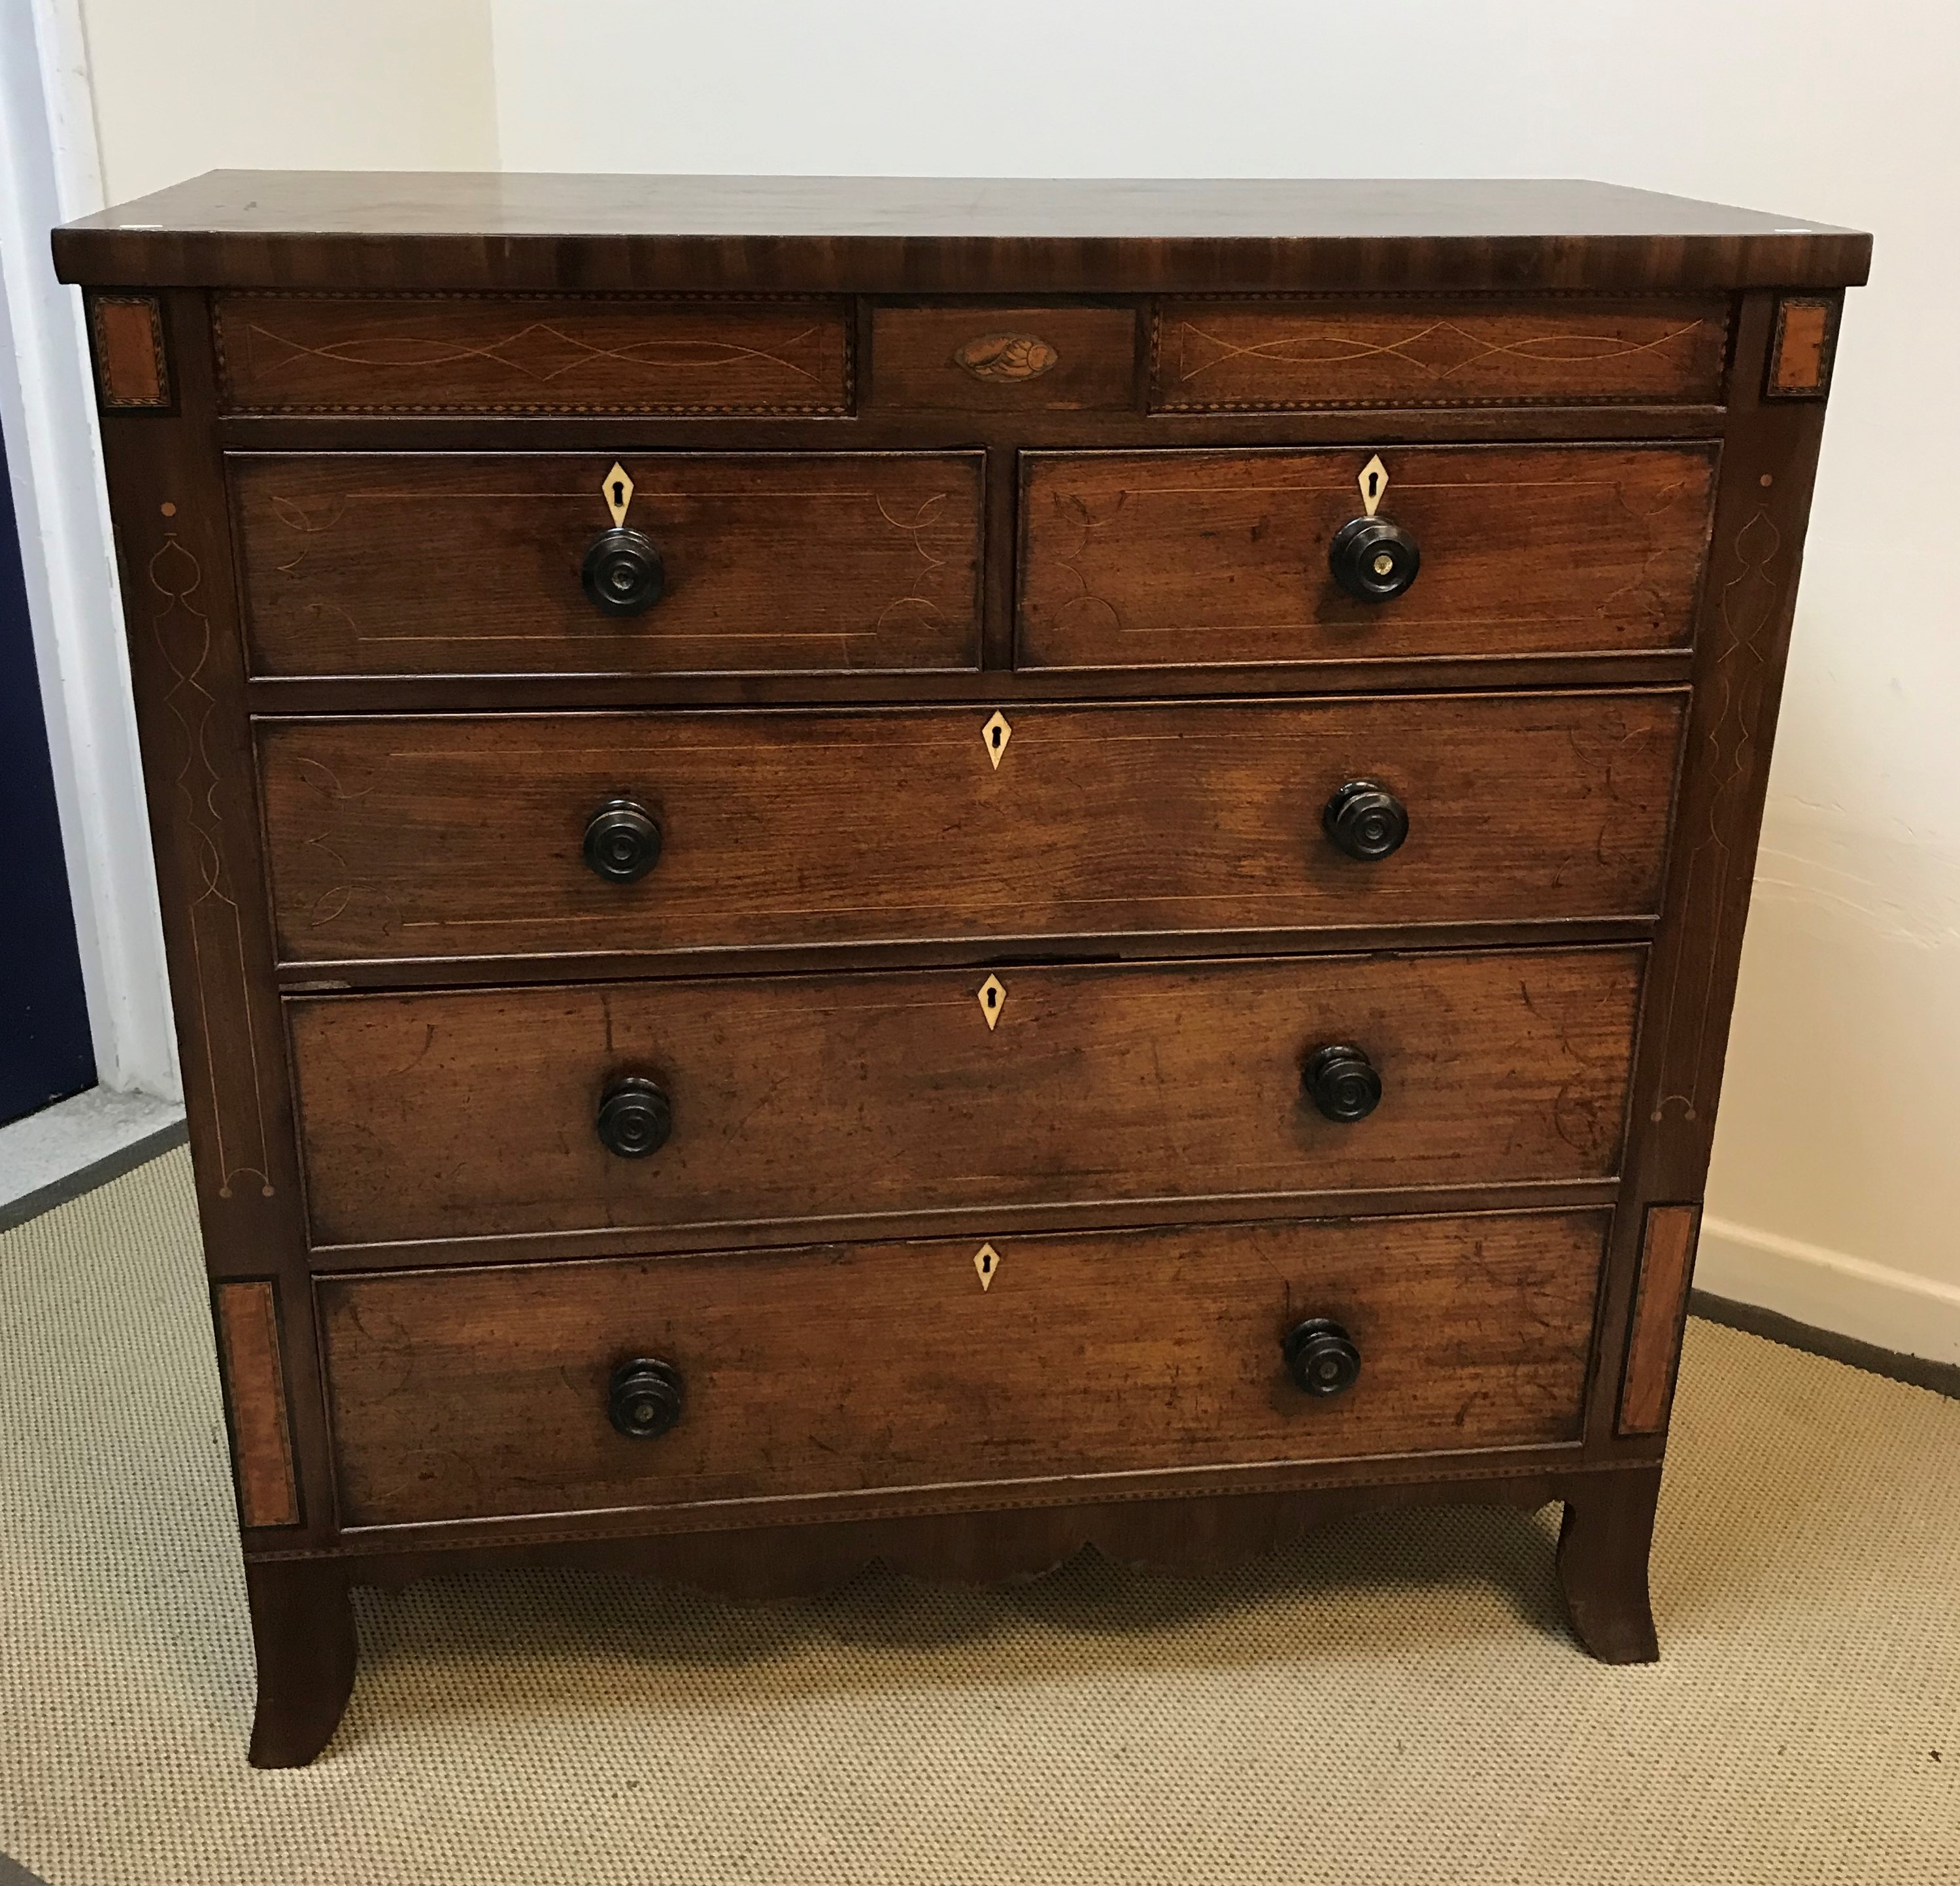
(45, 1054)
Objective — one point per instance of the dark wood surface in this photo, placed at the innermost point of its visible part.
(444, 837)
(388, 229)
(461, 1115)
(435, 564)
(860, 1369)
(247, 1317)
(1217, 355)
(1175, 558)
(341, 354)
(1147, 1096)
(1660, 1302)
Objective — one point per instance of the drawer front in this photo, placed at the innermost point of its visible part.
(425, 563)
(1004, 360)
(1224, 356)
(465, 836)
(491, 353)
(470, 1394)
(465, 1114)
(1152, 559)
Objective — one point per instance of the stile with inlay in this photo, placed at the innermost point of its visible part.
(946, 871)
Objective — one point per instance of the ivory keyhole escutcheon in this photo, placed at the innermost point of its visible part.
(997, 733)
(993, 999)
(1374, 482)
(986, 1261)
(619, 491)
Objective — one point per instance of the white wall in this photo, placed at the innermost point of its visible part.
(1836, 1192)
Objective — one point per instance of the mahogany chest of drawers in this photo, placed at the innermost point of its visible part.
(944, 871)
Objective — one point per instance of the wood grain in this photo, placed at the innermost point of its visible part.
(993, 359)
(847, 1369)
(1214, 356)
(1801, 349)
(1009, 236)
(1660, 1304)
(510, 354)
(254, 1386)
(446, 836)
(451, 1116)
(1135, 559)
(131, 371)
(439, 564)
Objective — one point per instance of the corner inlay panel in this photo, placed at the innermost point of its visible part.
(248, 1331)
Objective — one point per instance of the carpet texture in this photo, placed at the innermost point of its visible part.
(1396, 1700)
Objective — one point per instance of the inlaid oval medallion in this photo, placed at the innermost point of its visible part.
(1007, 357)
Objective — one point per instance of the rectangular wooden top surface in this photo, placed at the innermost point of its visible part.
(405, 230)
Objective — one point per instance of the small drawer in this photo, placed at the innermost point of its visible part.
(1158, 559)
(1281, 354)
(485, 835)
(607, 1108)
(1056, 359)
(670, 563)
(516, 354)
(841, 1370)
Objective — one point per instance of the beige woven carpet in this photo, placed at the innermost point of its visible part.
(1396, 1701)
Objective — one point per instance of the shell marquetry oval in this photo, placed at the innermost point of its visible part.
(1007, 357)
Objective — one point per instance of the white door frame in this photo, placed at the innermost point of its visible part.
(50, 172)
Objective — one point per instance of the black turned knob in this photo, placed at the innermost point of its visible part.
(643, 1397)
(1321, 1356)
(621, 840)
(622, 572)
(635, 1116)
(1373, 559)
(1342, 1083)
(1365, 820)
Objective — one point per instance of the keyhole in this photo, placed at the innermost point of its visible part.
(996, 739)
(1374, 484)
(618, 492)
(987, 1267)
(993, 999)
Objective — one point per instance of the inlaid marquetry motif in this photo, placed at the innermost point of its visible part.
(992, 997)
(232, 1056)
(1801, 347)
(1218, 356)
(132, 368)
(1007, 357)
(986, 1263)
(328, 353)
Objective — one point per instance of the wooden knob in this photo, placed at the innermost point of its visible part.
(1365, 820)
(622, 572)
(1373, 559)
(643, 1397)
(1341, 1081)
(636, 1117)
(1321, 1357)
(622, 842)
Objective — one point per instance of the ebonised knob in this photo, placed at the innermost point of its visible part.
(643, 1397)
(622, 842)
(622, 572)
(635, 1116)
(1342, 1083)
(1365, 820)
(1373, 559)
(1321, 1356)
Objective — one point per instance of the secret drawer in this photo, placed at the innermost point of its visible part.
(701, 563)
(554, 1388)
(609, 1109)
(1153, 559)
(541, 354)
(483, 836)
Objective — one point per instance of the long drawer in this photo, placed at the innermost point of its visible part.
(420, 563)
(1151, 559)
(472, 1114)
(474, 1394)
(485, 836)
